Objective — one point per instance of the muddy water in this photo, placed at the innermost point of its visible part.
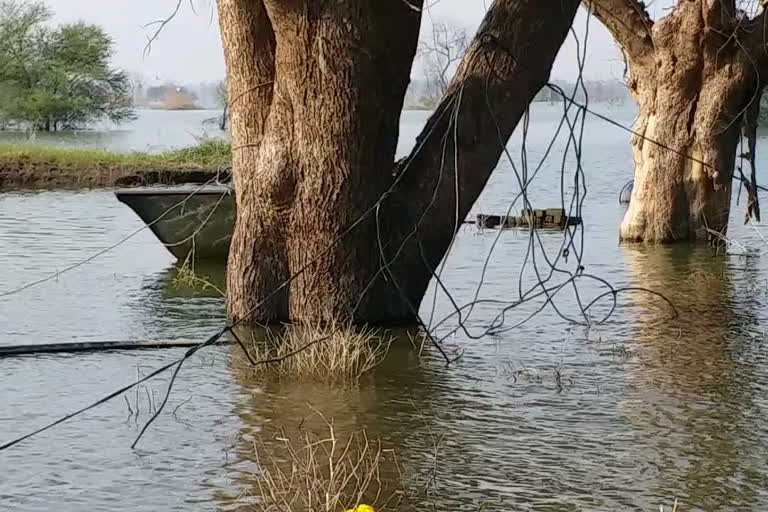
(546, 416)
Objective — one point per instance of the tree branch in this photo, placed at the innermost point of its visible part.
(506, 65)
(628, 22)
(750, 124)
(160, 26)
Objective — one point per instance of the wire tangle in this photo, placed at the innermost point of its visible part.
(553, 271)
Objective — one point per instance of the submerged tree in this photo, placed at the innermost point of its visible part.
(328, 224)
(696, 75)
(60, 77)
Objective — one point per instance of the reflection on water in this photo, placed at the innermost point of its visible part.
(625, 415)
(678, 415)
(280, 409)
(695, 393)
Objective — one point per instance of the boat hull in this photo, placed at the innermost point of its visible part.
(189, 222)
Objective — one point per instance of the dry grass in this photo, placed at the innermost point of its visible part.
(328, 474)
(331, 352)
(337, 473)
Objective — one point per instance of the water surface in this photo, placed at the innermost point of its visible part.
(547, 416)
(153, 131)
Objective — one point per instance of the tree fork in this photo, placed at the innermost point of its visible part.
(508, 62)
(325, 156)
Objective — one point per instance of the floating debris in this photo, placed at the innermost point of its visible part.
(550, 218)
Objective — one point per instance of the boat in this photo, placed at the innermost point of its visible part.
(189, 221)
(198, 222)
(550, 218)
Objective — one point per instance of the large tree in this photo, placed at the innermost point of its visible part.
(57, 77)
(696, 75)
(316, 90)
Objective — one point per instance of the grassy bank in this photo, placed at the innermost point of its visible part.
(31, 167)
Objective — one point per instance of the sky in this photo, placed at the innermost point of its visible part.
(189, 47)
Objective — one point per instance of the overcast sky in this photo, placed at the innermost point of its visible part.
(189, 48)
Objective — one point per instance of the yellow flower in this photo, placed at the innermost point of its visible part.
(361, 508)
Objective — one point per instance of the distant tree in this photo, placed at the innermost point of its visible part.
(763, 118)
(137, 82)
(53, 78)
(158, 92)
(223, 101)
(441, 53)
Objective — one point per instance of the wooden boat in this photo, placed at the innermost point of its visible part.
(187, 219)
(200, 221)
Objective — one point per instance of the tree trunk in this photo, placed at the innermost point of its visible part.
(329, 227)
(694, 83)
(682, 190)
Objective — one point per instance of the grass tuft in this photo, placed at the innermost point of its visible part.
(208, 154)
(328, 474)
(333, 352)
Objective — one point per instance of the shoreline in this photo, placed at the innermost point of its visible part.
(30, 167)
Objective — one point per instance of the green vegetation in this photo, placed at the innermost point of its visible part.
(31, 166)
(56, 78)
(209, 154)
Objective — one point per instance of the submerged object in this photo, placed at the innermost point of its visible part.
(188, 221)
(626, 192)
(551, 218)
(361, 508)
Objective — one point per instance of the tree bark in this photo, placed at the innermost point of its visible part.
(694, 74)
(257, 247)
(506, 65)
(323, 158)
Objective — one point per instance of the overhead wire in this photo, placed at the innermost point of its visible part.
(540, 289)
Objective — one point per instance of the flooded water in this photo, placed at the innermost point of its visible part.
(550, 415)
(153, 131)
